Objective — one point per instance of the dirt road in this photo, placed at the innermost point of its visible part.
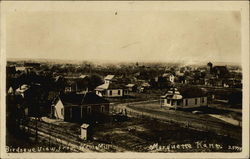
(195, 121)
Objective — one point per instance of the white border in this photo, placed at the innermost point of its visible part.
(243, 6)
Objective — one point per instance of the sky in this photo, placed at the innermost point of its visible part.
(124, 35)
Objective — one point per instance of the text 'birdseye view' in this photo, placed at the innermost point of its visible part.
(123, 81)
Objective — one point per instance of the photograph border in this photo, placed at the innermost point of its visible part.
(242, 6)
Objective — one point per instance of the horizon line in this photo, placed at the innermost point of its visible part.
(120, 61)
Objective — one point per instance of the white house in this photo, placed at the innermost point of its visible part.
(170, 77)
(111, 90)
(184, 98)
(22, 89)
(109, 78)
(11, 91)
(20, 68)
(131, 87)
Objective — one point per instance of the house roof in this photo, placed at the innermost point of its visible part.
(109, 77)
(191, 92)
(10, 90)
(179, 73)
(130, 85)
(106, 86)
(57, 78)
(145, 84)
(21, 68)
(103, 86)
(83, 76)
(23, 88)
(87, 98)
(167, 75)
(189, 77)
(221, 69)
(184, 92)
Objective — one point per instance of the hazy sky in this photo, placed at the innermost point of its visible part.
(125, 36)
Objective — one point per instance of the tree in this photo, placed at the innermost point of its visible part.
(94, 81)
(163, 83)
(235, 98)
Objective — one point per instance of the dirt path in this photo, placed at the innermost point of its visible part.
(217, 106)
(226, 119)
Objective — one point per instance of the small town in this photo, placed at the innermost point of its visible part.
(127, 79)
(81, 106)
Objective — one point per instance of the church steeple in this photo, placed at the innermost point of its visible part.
(210, 66)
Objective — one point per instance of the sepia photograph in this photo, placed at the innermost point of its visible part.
(128, 79)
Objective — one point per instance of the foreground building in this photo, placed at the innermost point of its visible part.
(186, 97)
(80, 107)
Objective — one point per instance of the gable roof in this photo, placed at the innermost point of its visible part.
(145, 84)
(22, 89)
(130, 85)
(106, 86)
(83, 76)
(82, 99)
(109, 77)
(103, 86)
(191, 92)
(184, 92)
(167, 74)
(116, 86)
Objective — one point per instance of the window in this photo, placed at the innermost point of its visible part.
(102, 108)
(186, 102)
(202, 100)
(125, 91)
(110, 92)
(62, 112)
(178, 102)
(119, 92)
(174, 102)
(168, 101)
(89, 109)
(195, 101)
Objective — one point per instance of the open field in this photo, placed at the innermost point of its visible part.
(140, 134)
(132, 135)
